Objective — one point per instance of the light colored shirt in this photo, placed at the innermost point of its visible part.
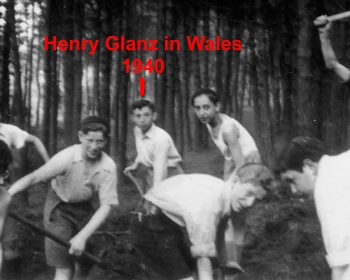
(73, 183)
(197, 202)
(332, 199)
(245, 140)
(156, 149)
(13, 136)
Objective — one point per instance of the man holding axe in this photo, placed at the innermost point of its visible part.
(81, 172)
(324, 24)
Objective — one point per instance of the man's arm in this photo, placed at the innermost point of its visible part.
(229, 167)
(231, 136)
(55, 166)
(204, 268)
(78, 242)
(39, 146)
(331, 61)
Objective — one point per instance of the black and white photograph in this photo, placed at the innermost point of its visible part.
(174, 140)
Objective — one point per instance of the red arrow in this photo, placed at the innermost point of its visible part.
(142, 86)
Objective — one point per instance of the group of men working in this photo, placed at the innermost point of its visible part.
(196, 202)
(185, 220)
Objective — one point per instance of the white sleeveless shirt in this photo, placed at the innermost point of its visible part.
(245, 140)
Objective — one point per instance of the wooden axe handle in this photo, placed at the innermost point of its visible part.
(132, 179)
(65, 244)
(339, 16)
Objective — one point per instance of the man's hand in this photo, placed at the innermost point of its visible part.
(77, 245)
(323, 24)
(131, 168)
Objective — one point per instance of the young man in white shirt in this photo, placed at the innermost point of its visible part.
(180, 232)
(308, 170)
(156, 151)
(235, 143)
(81, 172)
(324, 27)
(232, 139)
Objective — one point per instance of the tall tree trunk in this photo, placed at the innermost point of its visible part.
(38, 85)
(5, 74)
(275, 54)
(96, 89)
(105, 57)
(17, 107)
(78, 65)
(230, 32)
(160, 99)
(169, 123)
(288, 53)
(196, 126)
(123, 98)
(206, 33)
(68, 72)
(218, 65)
(262, 59)
(30, 68)
(115, 111)
(242, 70)
(185, 80)
(304, 68)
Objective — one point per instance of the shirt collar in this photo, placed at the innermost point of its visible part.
(150, 133)
(77, 156)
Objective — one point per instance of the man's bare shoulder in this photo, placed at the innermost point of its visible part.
(230, 129)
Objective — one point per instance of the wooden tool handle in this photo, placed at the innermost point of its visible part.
(339, 16)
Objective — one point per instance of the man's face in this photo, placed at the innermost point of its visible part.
(205, 109)
(143, 118)
(244, 195)
(301, 182)
(92, 144)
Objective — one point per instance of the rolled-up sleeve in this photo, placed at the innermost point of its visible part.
(202, 234)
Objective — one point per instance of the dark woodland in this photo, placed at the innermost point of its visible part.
(277, 86)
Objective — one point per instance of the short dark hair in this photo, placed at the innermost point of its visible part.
(5, 156)
(94, 123)
(140, 103)
(256, 174)
(299, 149)
(211, 94)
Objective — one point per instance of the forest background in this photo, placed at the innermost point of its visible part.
(277, 86)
